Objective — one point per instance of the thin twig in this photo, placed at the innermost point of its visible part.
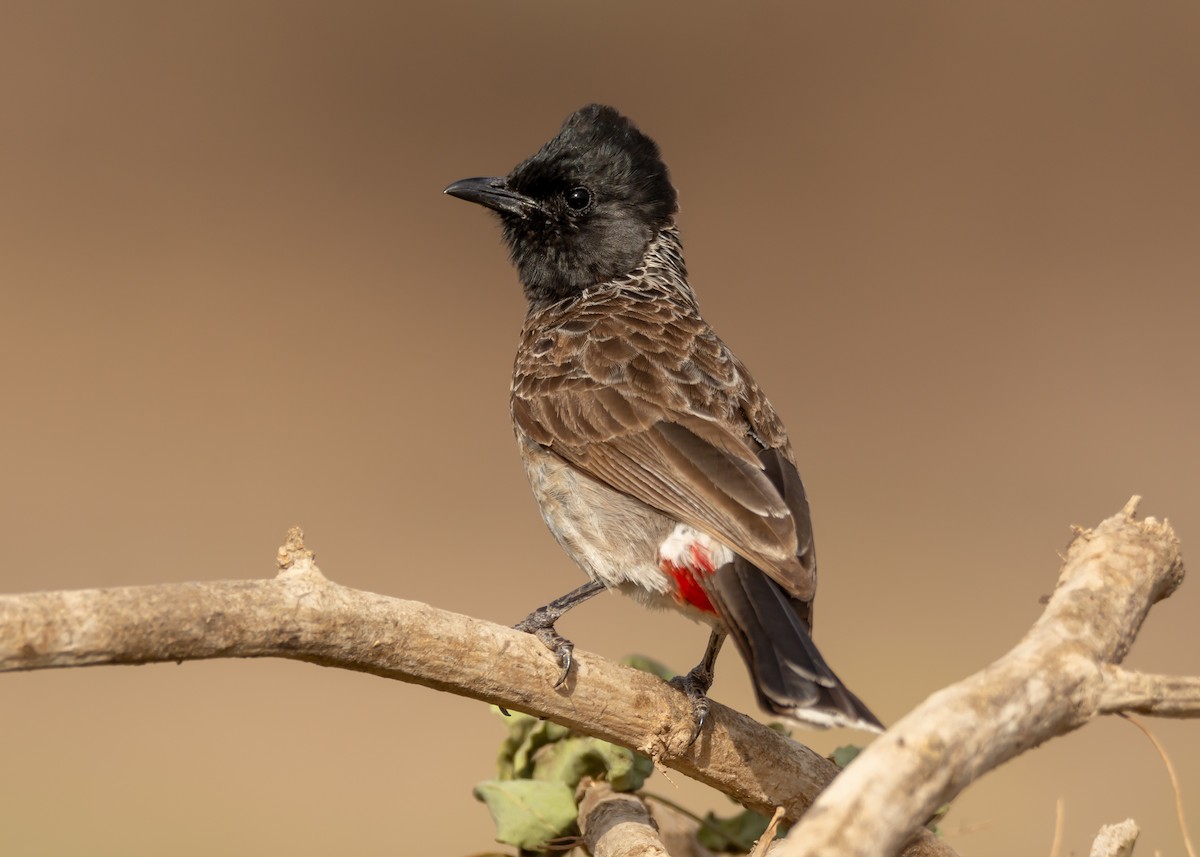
(1060, 807)
(1162, 752)
(768, 836)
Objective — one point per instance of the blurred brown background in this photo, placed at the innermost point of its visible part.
(958, 245)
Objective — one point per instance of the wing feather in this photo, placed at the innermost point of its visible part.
(656, 406)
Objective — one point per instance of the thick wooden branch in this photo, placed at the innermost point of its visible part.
(303, 616)
(616, 824)
(1064, 672)
(1057, 678)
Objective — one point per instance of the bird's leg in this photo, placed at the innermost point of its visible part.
(541, 621)
(697, 682)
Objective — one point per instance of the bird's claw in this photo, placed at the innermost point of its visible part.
(699, 713)
(563, 649)
(696, 684)
(552, 640)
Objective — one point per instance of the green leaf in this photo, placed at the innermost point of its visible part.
(571, 760)
(526, 735)
(736, 834)
(782, 728)
(649, 665)
(528, 813)
(844, 755)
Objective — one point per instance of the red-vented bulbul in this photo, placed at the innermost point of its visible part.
(658, 463)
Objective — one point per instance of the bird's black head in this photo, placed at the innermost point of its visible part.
(583, 209)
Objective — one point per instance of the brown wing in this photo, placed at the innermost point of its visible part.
(642, 395)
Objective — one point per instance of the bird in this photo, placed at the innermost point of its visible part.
(656, 460)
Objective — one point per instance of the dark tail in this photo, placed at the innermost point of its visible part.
(770, 629)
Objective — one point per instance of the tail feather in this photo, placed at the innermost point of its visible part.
(791, 679)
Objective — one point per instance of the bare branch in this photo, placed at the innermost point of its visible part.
(765, 842)
(303, 616)
(1054, 681)
(678, 830)
(1139, 693)
(616, 824)
(1116, 840)
(1063, 673)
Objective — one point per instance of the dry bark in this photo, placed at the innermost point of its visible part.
(1063, 673)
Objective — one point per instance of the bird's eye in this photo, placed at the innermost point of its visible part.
(578, 198)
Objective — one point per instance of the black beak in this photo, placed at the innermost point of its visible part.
(493, 193)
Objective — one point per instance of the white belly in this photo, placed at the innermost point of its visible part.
(615, 539)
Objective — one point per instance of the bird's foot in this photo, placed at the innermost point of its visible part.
(696, 684)
(541, 625)
(541, 621)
